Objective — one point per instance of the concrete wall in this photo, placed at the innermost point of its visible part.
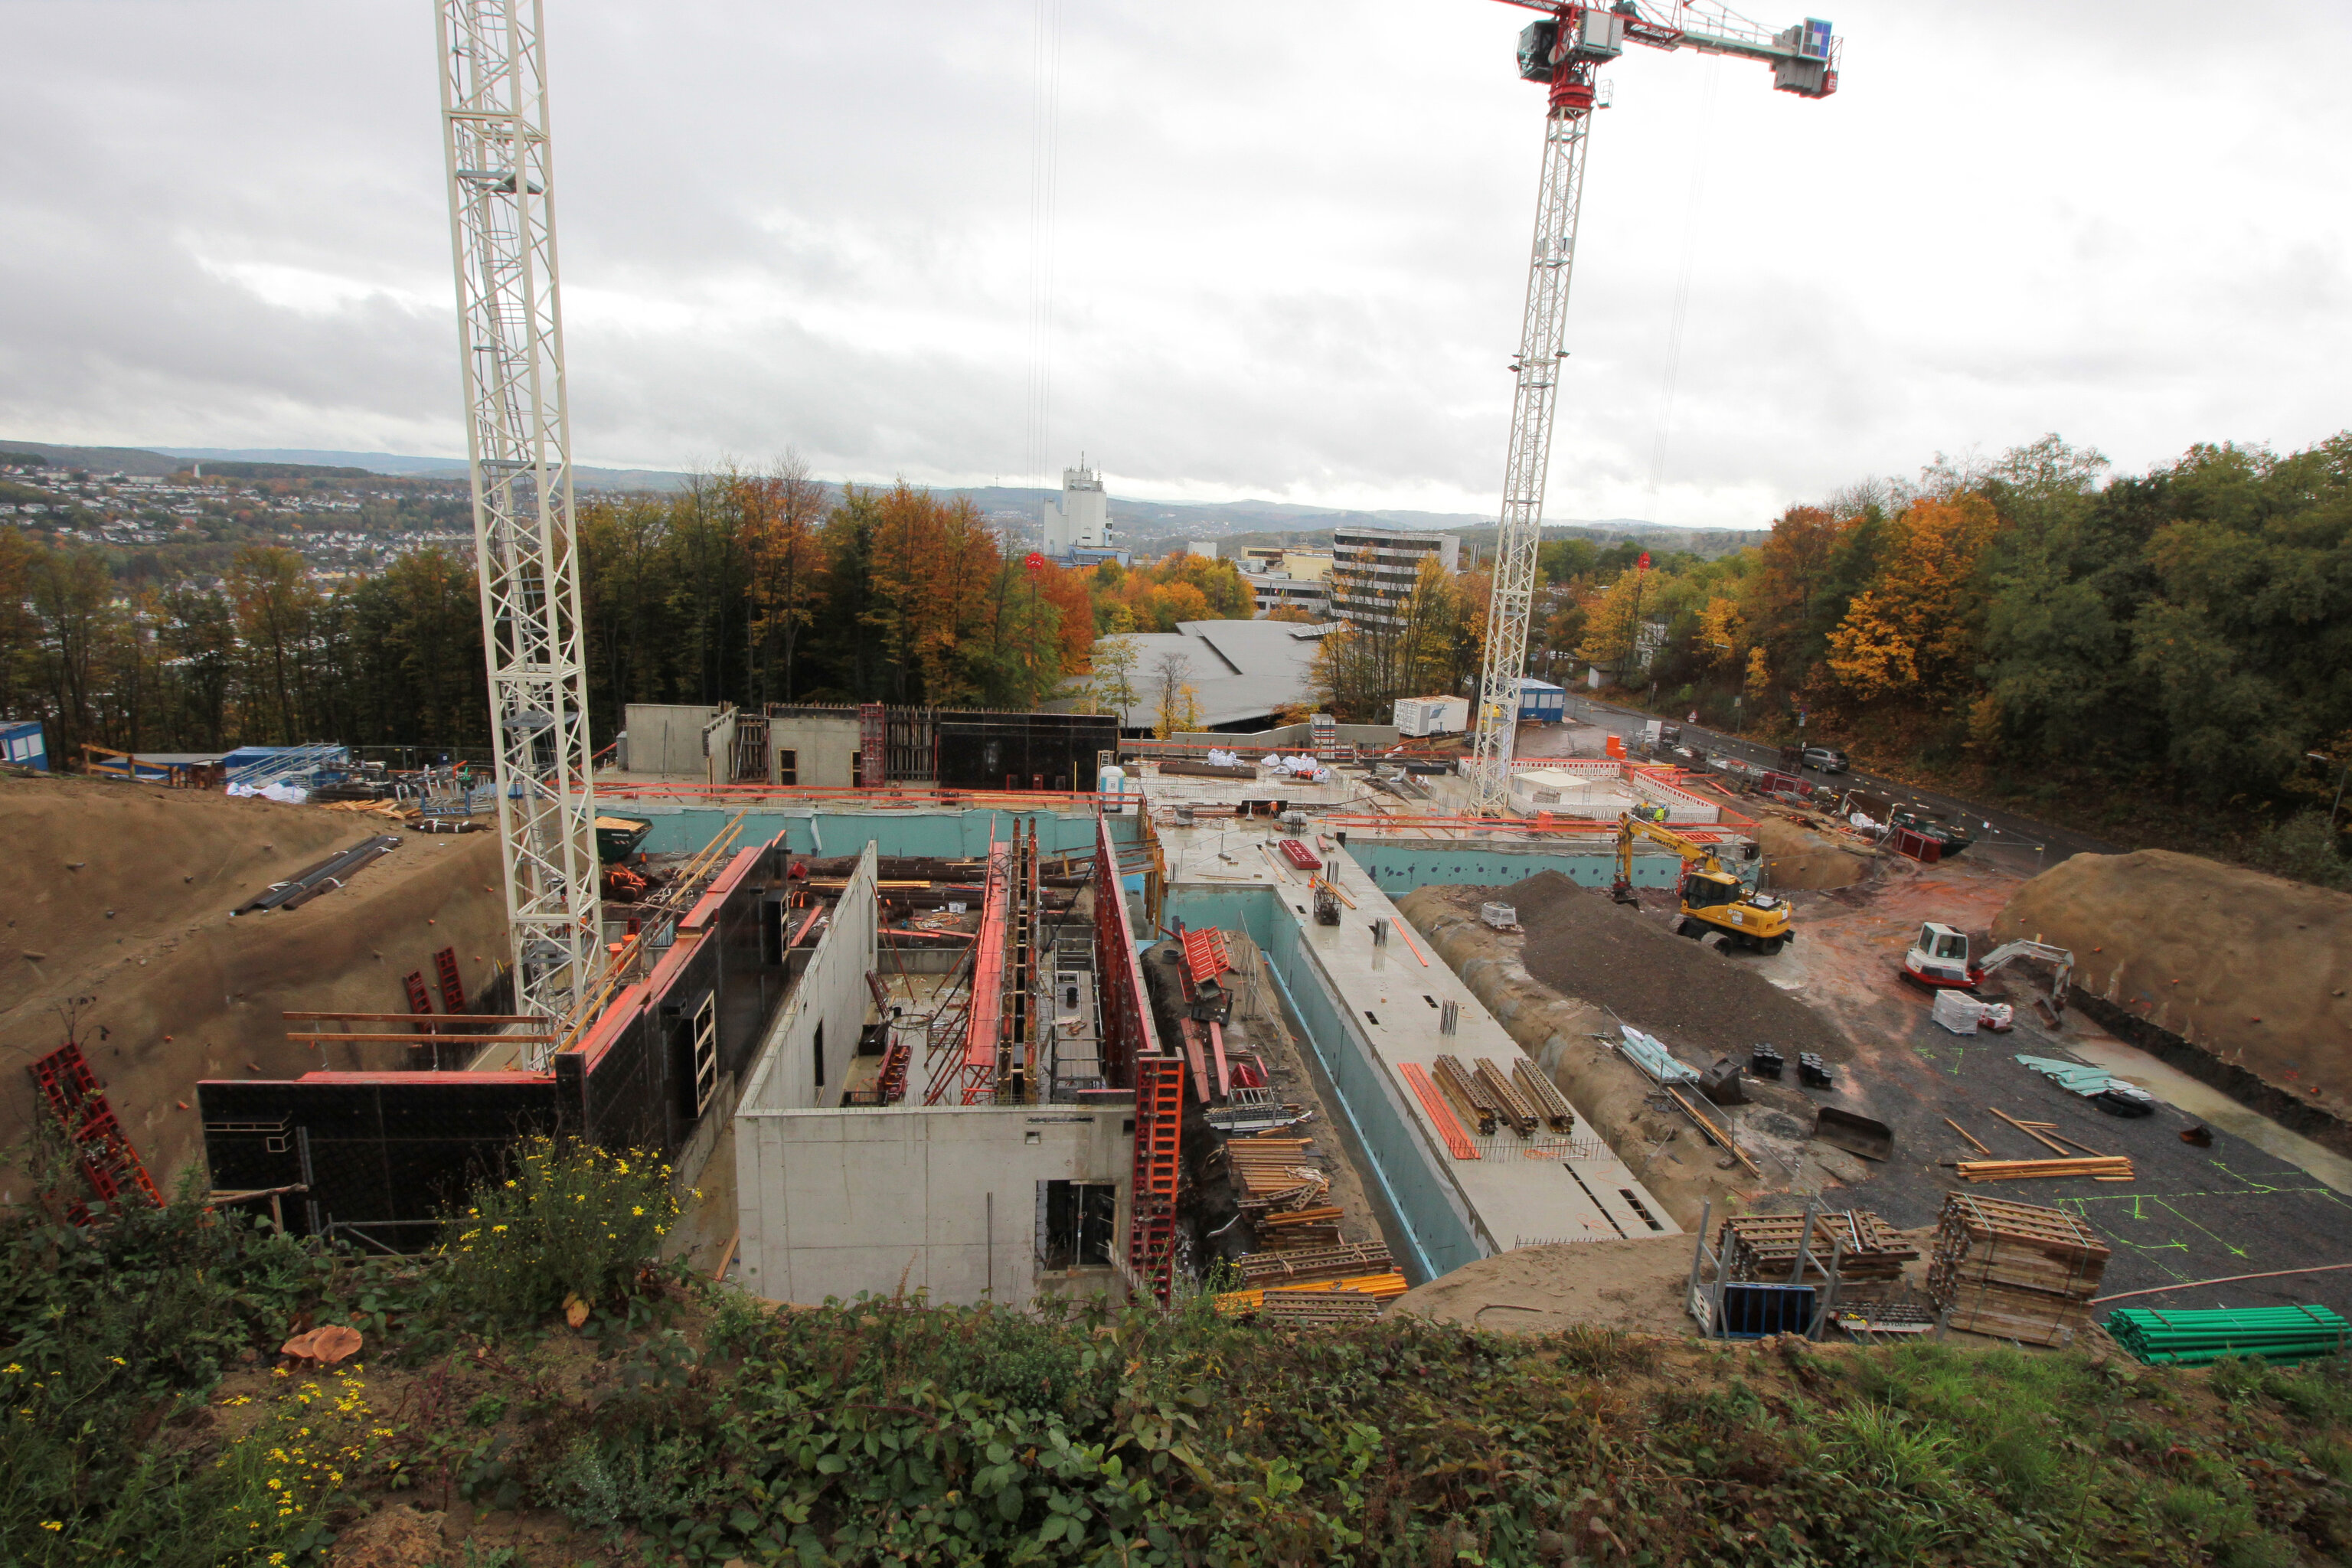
(719, 748)
(1437, 1231)
(1397, 866)
(665, 737)
(830, 1002)
(825, 746)
(937, 1199)
(810, 831)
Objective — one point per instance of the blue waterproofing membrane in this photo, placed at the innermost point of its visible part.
(1438, 1237)
(684, 829)
(1399, 866)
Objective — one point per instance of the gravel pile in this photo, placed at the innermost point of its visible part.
(1582, 944)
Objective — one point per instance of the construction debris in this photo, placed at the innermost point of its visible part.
(2014, 1270)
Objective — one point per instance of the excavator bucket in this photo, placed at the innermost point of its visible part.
(1854, 1134)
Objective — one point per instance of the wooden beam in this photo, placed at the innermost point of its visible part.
(435, 1039)
(413, 1017)
(2056, 1148)
(1973, 1141)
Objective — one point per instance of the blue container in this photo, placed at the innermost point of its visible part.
(21, 744)
(1541, 700)
(1752, 1311)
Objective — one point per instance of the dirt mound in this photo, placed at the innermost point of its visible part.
(1798, 858)
(2249, 968)
(1637, 1283)
(1582, 944)
(167, 987)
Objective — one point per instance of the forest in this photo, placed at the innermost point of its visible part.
(749, 587)
(2115, 649)
(2102, 645)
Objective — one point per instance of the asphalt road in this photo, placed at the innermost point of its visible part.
(2022, 840)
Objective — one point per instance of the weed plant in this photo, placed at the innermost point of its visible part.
(569, 1220)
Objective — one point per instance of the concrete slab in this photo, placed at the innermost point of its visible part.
(1392, 998)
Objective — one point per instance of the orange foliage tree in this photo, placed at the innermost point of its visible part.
(1913, 630)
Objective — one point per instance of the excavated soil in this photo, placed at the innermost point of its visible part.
(1798, 859)
(2251, 969)
(1637, 1283)
(1583, 944)
(118, 933)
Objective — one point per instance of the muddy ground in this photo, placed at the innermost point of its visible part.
(120, 933)
(2191, 1213)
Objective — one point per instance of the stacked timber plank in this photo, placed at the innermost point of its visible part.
(1344, 1300)
(1870, 1253)
(1265, 1269)
(1272, 1173)
(1299, 1229)
(2017, 1271)
(2105, 1167)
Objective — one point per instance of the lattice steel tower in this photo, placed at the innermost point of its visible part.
(510, 340)
(1563, 51)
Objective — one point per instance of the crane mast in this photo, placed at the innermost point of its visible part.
(1563, 50)
(510, 339)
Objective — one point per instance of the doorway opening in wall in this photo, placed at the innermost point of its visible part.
(788, 767)
(816, 1049)
(1075, 1220)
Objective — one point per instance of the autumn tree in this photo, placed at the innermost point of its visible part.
(1912, 631)
(782, 509)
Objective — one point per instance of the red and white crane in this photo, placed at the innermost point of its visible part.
(1564, 49)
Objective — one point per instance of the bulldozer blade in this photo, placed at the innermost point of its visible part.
(1854, 1134)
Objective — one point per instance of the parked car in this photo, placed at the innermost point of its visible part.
(1825, 759)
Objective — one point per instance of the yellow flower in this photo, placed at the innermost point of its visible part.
(638, 1211)
(118, 1361)
(12, 1368)
(53, 1524)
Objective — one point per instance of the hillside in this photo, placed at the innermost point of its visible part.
(683, 1421)
(120, 935)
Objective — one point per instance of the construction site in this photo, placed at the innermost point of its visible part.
(1533, 1032)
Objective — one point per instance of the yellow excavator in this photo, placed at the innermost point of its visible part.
(1714, 900)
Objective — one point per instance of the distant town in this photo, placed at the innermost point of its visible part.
(342, 522)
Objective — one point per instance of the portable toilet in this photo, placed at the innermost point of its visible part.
(1119, 792)
(1542, 701)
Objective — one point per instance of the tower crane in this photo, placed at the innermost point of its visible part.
(1563, 50)
(519, 438)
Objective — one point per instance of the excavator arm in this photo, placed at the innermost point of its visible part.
(2061, 961)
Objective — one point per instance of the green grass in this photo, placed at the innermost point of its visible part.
(893, 1431)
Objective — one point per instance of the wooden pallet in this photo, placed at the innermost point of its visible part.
(1763, 1248)
(1273, 1267)
(1307, 1309)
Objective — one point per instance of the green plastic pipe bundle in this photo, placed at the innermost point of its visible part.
(2265, 1333)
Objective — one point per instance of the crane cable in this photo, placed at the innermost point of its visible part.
(1671, 377)
(1044, 185)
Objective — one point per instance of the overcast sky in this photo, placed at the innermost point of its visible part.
(1288, 243)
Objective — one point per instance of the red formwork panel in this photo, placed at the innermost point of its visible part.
(1298, 855)
(108, 1163)
(1128, 1032)
(1159, 1125)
